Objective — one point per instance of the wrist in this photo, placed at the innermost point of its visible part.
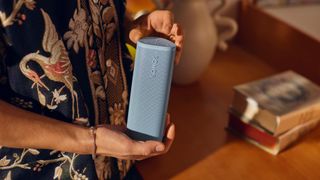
(99, 149)
(93, 134)
(85, 141)
(105, 140)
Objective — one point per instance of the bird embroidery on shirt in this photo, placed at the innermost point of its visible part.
(57, 67)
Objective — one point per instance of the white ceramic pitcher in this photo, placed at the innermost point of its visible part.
(201, 37)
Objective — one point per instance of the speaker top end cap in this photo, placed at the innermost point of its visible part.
(156, 43)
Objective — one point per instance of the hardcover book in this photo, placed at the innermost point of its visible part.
(278, 103)
(257, 136)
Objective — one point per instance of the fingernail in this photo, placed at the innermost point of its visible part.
(159, 148)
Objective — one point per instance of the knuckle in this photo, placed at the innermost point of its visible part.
(146, 152)
(168, 13)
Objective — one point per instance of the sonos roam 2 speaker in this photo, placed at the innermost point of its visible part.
(150, 88)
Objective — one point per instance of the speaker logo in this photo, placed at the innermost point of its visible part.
(155, 62)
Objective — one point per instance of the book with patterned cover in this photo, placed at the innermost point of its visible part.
(257, 136)
(278, 103)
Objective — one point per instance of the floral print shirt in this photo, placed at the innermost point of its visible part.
(66, 60)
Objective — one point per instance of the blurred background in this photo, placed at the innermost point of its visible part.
(229, 42)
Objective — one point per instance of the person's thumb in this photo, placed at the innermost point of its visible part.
(138, 33)
(147, 148)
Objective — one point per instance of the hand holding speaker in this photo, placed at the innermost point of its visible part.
(159, 23)
(119, 145)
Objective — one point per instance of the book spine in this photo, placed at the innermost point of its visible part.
(266, 141)
(258, 135)
(245, 106)
(248, 110)
(297, 117)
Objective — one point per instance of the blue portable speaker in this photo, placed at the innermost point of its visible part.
(150, 88)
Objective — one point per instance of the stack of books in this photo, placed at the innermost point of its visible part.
(274, 112)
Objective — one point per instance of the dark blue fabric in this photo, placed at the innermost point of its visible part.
(25, 36)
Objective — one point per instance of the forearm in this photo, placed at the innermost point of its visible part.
(23, 129)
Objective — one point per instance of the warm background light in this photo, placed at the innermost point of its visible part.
(134, 6)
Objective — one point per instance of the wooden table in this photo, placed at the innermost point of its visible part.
(203, 149)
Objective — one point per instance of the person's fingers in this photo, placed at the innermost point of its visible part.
(161, 21)
(176, 36)
(168, 140)
(168, 123)
(138, 33)
(169, 137)
(143, 150)
(147, 148)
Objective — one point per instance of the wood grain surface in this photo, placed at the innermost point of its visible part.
(203, 149)
(278, 43)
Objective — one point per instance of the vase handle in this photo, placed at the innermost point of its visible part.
(230, 25)
(231, 29)
(221, 5)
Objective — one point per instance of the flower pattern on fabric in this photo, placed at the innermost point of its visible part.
(117, 114)
(57, 98)
(17, 5)
(109, 26)
(21, 102)
(61, 160)
(30, 4)
(48, 85)
(78, 25)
